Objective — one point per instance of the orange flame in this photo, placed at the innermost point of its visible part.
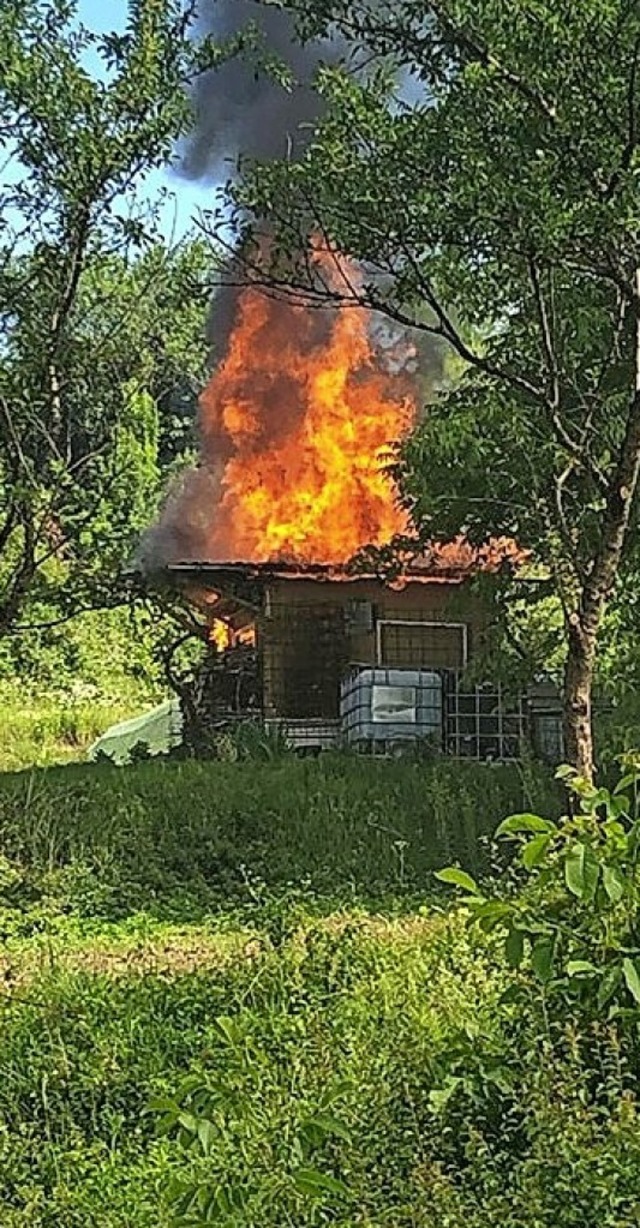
(224, 636)
(302, 414)
(220, 634)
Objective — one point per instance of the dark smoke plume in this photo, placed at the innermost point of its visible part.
(241, 112)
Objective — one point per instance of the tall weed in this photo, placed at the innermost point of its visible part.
(195, 835)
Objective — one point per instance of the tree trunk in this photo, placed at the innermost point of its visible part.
(583, 624)
(578, 686)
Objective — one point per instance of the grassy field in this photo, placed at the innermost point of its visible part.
(57, 730)
(318, 1025)
(180, 839)
(139, 907)
(231, 993)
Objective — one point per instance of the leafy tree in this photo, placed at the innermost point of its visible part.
(72, 517)
(494, 204)
(100, 323)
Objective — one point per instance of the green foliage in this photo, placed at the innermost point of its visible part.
(309, 1059)
(574, 925)
(134, 340)
(495, 177)
(260, 855)
(100, 653)
(248, 740)
(297, 1057)
(212, 831)
(567, 927)
(281, 1148)
(252, 741)
(102, 325)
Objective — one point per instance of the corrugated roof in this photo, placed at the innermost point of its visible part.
(316, 572)
(444, 564)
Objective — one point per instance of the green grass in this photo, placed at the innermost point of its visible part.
(41, 732)
(178, 840)
(333, 1006)
(257, 950)
(139, 904)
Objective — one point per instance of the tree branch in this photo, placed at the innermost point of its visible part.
(310, 294)
(483, 55)
(548, 347)
(632, 128)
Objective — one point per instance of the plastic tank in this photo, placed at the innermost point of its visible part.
(388, 705)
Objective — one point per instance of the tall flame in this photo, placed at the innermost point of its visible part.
(302, 413)
(297, 425)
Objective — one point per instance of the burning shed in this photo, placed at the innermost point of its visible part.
(328, 655)
(298, 424)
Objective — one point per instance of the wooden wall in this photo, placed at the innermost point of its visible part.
(310, 633)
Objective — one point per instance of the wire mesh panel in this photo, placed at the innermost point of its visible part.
(304, 654)
(421, 645)
(311, 734)
(483, 722)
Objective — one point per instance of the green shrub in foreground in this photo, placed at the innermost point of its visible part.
(352, 1008)
(562, 1102)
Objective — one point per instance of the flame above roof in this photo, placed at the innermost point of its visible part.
(442, 564)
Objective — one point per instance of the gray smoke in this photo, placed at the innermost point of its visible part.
(184, 526)
(243, 112)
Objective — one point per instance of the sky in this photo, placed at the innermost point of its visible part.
(187, 196)
(253, 114)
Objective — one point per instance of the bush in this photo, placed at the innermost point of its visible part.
(109, 652)
(327, 1041)
(540, 1125)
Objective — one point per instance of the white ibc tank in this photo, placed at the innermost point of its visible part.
(384, 705)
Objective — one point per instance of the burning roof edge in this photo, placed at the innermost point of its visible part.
(419, 571)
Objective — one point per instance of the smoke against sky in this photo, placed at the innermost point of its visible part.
(240, 111)
(301, 404)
